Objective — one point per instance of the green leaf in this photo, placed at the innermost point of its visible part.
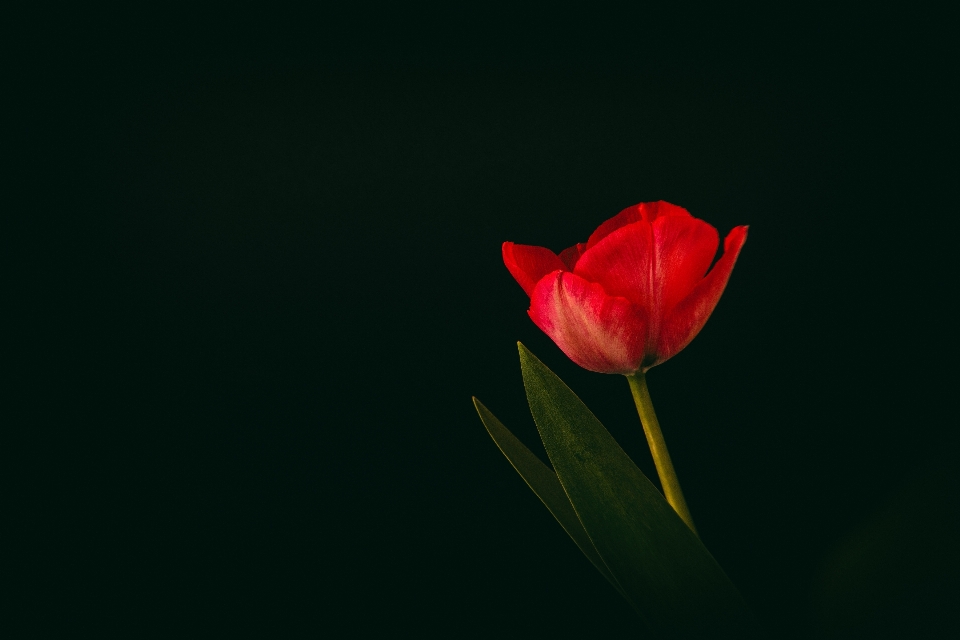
(544, 483)
(663, 568)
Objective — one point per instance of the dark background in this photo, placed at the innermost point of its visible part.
(263, 280)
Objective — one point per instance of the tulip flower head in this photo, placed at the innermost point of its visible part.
(632, 296)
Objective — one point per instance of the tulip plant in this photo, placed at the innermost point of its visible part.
(630, 298)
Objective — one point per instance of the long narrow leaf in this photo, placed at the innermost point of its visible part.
(543, 481)
(663, 568)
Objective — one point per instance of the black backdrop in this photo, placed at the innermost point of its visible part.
(268, 281)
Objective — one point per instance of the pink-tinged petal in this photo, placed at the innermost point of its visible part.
(528, 264)
(599, 332)
(689, 316)
(570, 256)
(622, 262)
(685, 247)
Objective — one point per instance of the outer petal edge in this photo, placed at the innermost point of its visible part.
(688, 317)
(529, 264)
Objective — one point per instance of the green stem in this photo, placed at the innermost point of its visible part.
(658, 447)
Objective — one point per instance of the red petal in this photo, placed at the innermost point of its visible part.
(625, 217)
(689, 316)
(648, 211)
(622, 263)
(685, 247)
(651, 211)
(599, 332)
(570, 256)
(528, 264)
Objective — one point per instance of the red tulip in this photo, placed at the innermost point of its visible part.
(635, 294)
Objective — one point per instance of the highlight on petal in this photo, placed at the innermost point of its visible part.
(528, 264)
(599, 332)
(684, 248)
(685, 321)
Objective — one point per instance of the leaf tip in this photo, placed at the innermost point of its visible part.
(524, 352)
(528, 361)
